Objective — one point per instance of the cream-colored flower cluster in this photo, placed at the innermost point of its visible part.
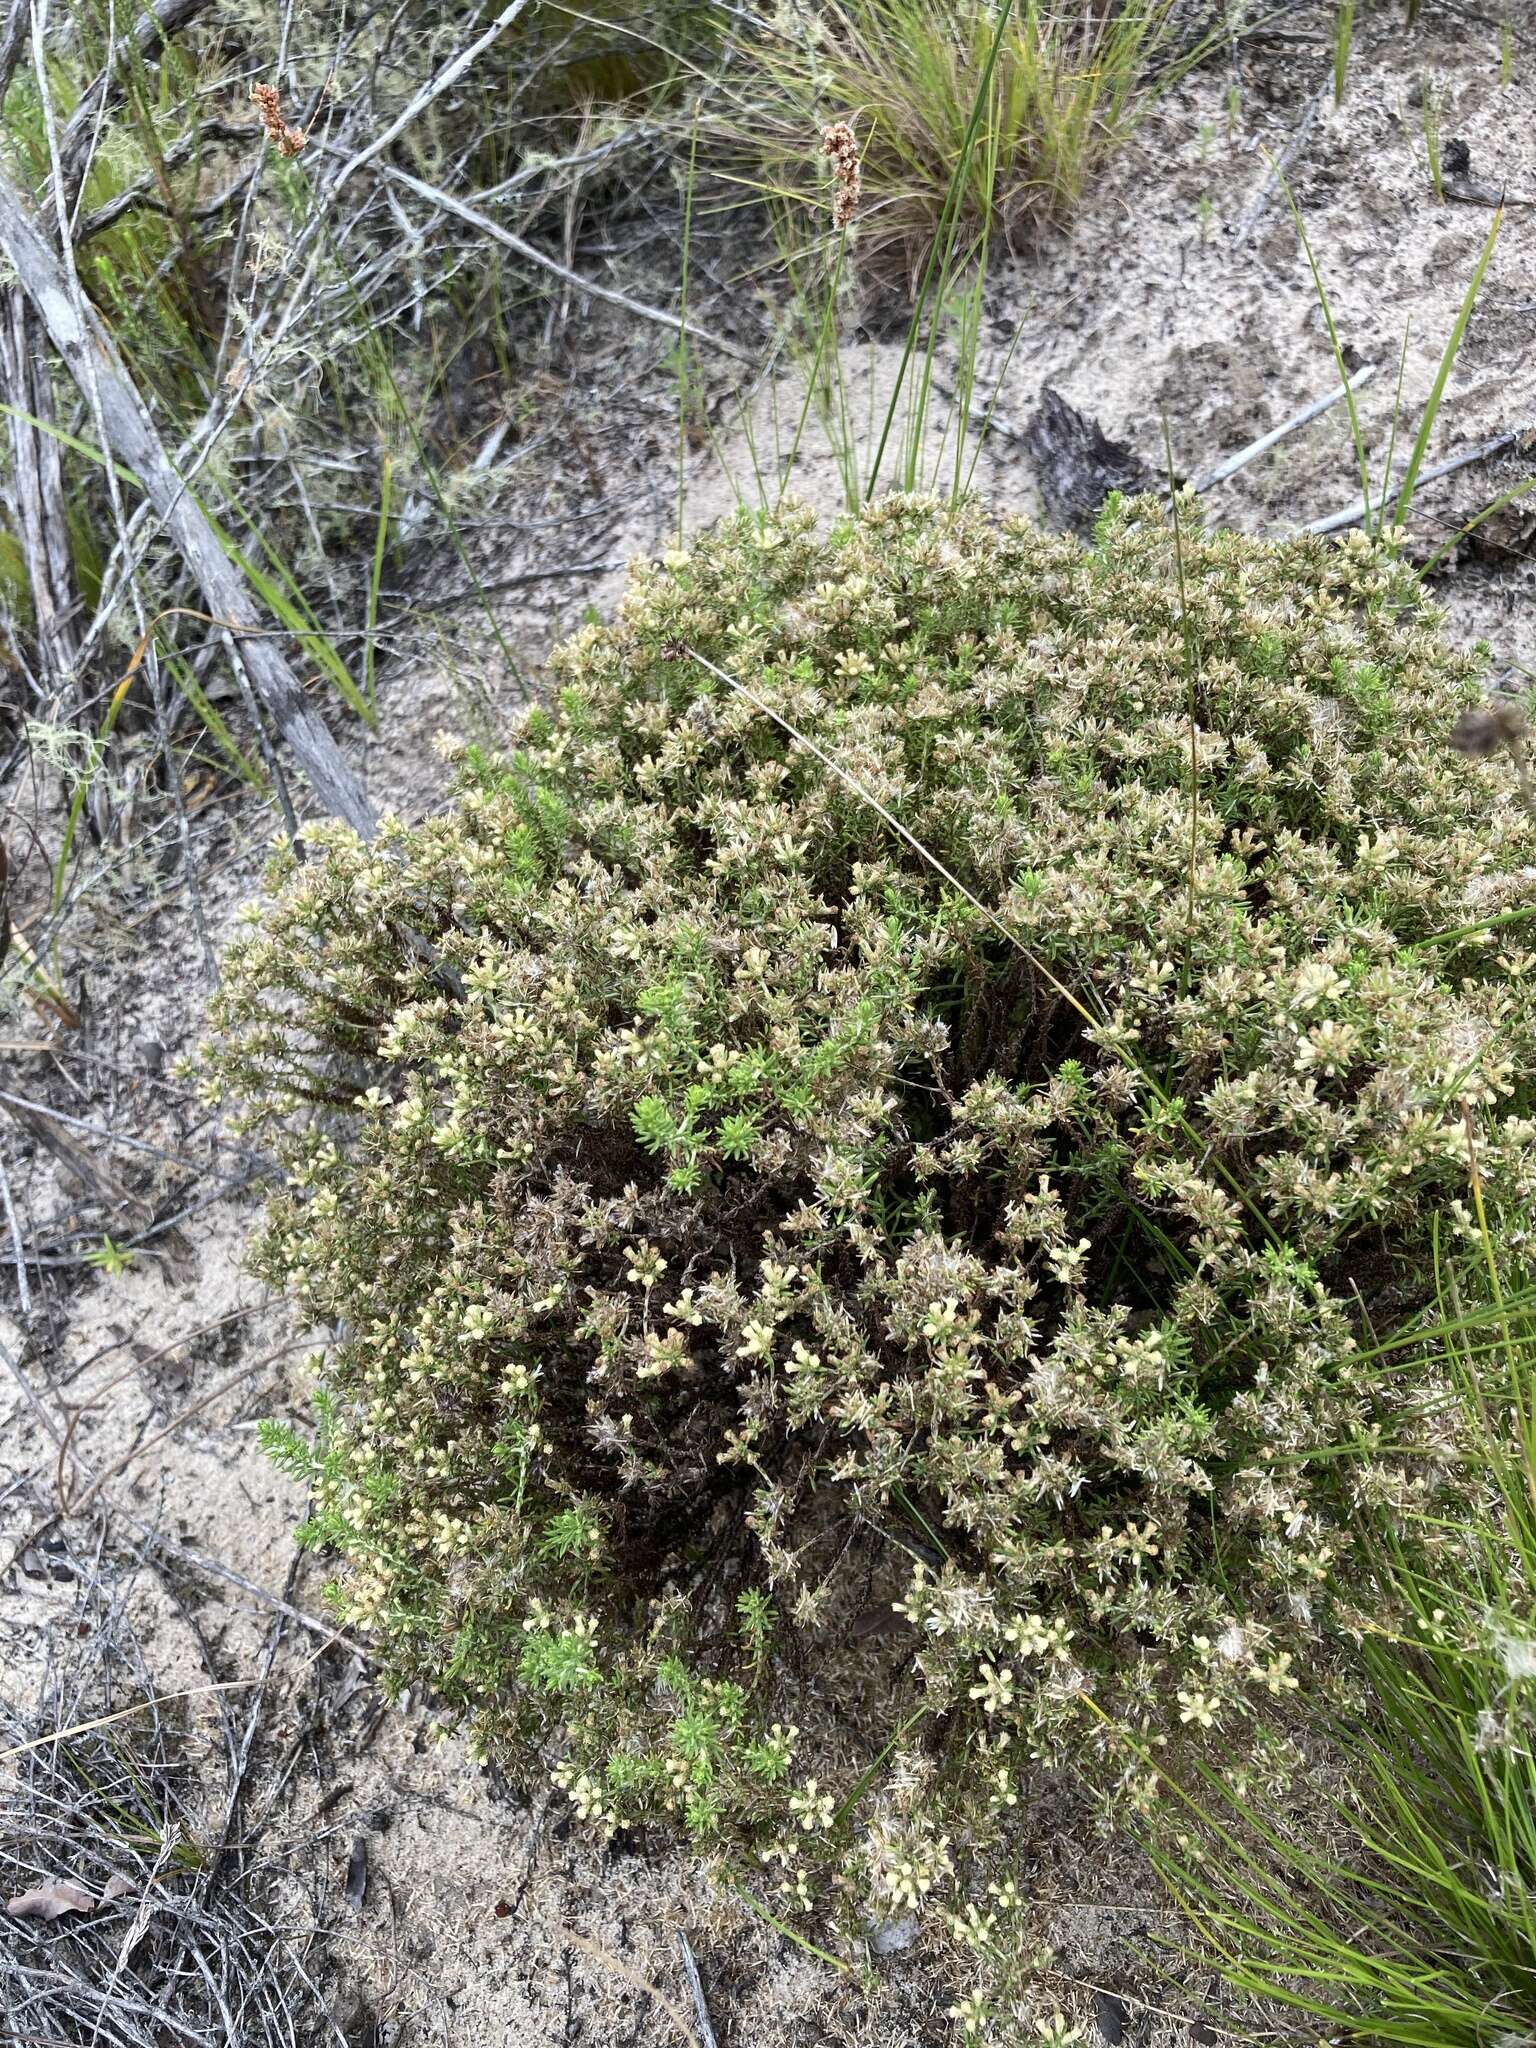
(850, 1170)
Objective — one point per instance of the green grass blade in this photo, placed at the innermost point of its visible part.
(1442, 375)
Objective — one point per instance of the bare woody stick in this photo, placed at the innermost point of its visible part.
(1219, 472)
(89, 352)
(1360, 509)
(482, 222)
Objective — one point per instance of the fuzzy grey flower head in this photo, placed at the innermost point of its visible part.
(1483, 728)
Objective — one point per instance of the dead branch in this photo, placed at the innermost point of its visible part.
(695, 1991)
(1219, 472)
(454, 69)
(92, 360)
(1276, 175)
(1361, 509)
(472, 217)
(38, 481)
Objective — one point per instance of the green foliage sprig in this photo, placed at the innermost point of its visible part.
(803, 1328)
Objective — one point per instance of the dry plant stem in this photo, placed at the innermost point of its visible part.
(1360, 509)
(92, 358)
(39, 492)
(30, 1394)
(1275, 180)
(95, 791)
(695, 1991)
(1221, 471)
(1520, 755)
(12, 36)
(72, 1506)
(183, 1559)
(31, 1110)
(472, 217)
(191, 1947)
(18, 1251)
(453, 70)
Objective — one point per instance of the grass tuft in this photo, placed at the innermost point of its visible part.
(1402, 1909)
(1064, 88)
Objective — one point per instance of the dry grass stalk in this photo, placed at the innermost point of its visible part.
(133, 1916)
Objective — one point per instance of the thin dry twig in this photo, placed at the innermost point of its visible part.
(1219, 472)
(1352, 514)
(102, 1812)
(18, 1250)
(472, 217)
(695, 1991)
(1275, 177)
(451, 72)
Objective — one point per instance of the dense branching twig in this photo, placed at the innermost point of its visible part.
(89, 352)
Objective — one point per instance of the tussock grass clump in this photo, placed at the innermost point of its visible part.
(810, 1310)
(1403, 1909)
(1024, 111)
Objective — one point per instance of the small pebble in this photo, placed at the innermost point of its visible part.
(894, 1937)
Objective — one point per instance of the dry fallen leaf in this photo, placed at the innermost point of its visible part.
(51, 1901)
(118, 1887)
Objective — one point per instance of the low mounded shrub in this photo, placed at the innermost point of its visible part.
(820, 1330)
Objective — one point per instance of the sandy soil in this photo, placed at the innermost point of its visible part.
(1181, 294)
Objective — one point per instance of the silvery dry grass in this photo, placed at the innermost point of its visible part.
(185, 1943)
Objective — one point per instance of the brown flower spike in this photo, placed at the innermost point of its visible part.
(840, 144)
(270, 108)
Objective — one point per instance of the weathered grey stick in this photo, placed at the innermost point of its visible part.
(472, 217)
(1353, 514)
(1472, 192)
(695, 1992)
(1209, 478)
(1277, 172)
(39, 492)
(89, 352)
(454, 69)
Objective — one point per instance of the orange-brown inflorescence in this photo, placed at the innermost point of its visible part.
(839, 143)
(270, 107)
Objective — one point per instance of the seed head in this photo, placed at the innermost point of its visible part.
(840, 145)
(270, 108)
